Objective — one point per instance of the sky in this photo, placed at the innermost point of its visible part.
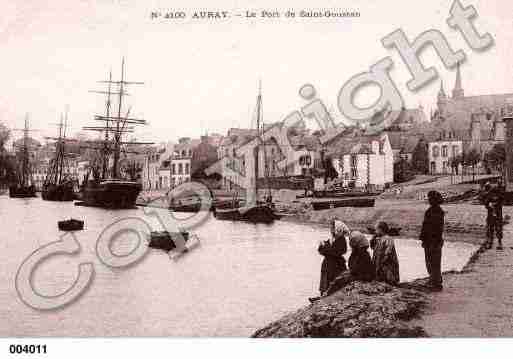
(201, 76)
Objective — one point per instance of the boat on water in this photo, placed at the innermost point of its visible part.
(262, 213)
(346, 202)
(258, 211)
(108, 187)
(71, 225)
(58, 184)
(23, 188)
(165, 240)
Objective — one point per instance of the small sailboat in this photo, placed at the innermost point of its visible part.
(23, 188)
(257, 212)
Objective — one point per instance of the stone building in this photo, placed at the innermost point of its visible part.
(364, 161)
(462, 123)
(181, 161)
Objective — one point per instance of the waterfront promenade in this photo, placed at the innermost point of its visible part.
(477, 302)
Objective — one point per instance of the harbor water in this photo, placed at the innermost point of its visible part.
(240, 278)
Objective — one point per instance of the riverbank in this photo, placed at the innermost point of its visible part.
(476, 302)
(464, 222)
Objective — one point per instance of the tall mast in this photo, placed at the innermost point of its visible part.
(115, 125)
(258, 114)
(107, 124)
(24, 163)
(117, 135)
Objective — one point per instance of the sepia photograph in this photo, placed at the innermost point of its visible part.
(243, 169)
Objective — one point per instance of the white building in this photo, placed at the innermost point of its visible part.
(364, 161)
(181, 161)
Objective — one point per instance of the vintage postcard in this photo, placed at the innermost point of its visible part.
(292, 169)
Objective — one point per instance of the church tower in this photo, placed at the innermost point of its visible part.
(458, 92)
(441, 102)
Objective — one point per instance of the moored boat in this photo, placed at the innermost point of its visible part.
(110, 188)
(58, 184)
(23, 188)
(22, 191)
(347, 202)
(71, 225)
(258, 212)
(166, 240)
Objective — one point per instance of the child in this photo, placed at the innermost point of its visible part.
(360, 264)
(384, 256)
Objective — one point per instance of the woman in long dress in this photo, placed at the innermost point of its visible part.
(333, 250)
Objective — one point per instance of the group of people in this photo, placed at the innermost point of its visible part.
(384, 264)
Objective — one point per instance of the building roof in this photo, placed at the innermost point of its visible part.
(357, 145)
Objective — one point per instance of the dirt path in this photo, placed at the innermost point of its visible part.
(478, 302)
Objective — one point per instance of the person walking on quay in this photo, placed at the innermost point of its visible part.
(360, 264)
(333, 250)
(493, 204)
(384, 256)
(432, 241)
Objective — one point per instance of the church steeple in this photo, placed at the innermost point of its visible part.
(458, 92)
(441, 102)
(441, 92)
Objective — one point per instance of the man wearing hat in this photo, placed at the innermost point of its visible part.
(432, 241)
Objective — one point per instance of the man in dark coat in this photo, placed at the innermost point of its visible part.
(493, 204)
(432, 241)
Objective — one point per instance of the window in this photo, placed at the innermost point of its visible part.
(180, 168)
(354, 163)
(444, 151)
(227, 152)
(435, 151)
(186, 168)
(183, 153)
(234, 152)
(173, 169)
(455, 151)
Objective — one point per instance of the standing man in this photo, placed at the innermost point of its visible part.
(432, 241)
(493, 204)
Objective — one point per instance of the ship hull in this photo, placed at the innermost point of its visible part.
(349, 202)
(22, 192)
(256, 214)
(111, 194)
(57, 193)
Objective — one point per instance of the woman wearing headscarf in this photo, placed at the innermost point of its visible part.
(360, 264)
(333, 250)
(384, 256)
(432, 241)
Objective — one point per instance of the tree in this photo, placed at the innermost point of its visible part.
(420, 157)
(472, 158)
(495, 157)
(5, 133)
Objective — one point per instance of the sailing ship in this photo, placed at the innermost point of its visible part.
(23, 187)
(108, 188)
(258, 211)
(58, 185)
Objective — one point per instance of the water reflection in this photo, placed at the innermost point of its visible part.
(240, 278)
